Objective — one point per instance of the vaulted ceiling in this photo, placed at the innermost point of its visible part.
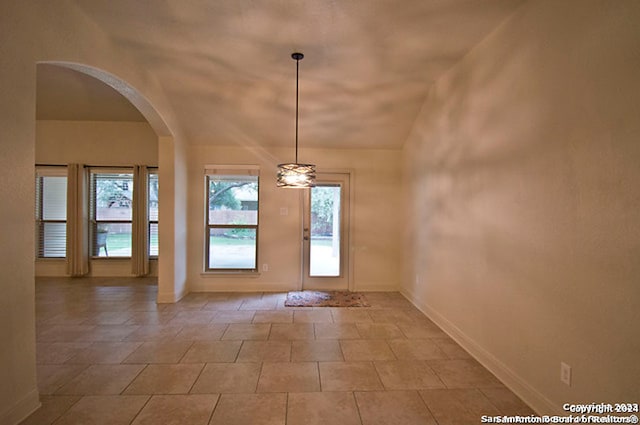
(227, 71)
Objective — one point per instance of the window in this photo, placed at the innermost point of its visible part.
(153, 213)
(232, 220)
(111, 198)
(51, 212)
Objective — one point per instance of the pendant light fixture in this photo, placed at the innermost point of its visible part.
(295, 175)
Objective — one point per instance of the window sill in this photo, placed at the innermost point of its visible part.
(249, 274)
(111, 258)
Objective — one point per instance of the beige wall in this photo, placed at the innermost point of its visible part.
(18, 392)
(522, 187)
(96, 143)
(33, 32)
(375, 229)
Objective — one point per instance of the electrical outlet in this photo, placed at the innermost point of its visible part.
(565, 373)
(265, 267)
(284, 211)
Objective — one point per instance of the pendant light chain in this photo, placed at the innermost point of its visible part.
(297, 74)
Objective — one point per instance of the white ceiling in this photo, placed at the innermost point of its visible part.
(226, 67)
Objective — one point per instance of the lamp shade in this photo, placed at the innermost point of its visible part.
(296, 176)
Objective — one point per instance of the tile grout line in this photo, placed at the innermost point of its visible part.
(269, 333)
(141, 409)
(215, 406)
(66, 410)
(59, 387)
(185, 352)
(488, 399)
(384, 388)
(134, 378)
(344, 358)
(426, 362)
(259, 376)
(355, 400)
(428, 408)
(204, 365)
(286, 409)
(239, 350)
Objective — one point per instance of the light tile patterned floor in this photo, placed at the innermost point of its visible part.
(107, 354)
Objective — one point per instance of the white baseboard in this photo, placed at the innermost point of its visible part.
(224, 285)
(377, 289)
(232, 287)
(534, 398)
(23, 408)
(171, 297)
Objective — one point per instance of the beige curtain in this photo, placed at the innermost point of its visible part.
(139, 227)
(77, 221)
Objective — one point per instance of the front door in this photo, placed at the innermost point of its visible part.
(326, 233)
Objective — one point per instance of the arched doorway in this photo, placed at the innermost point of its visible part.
(102, 106)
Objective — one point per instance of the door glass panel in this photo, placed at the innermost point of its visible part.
(324, 251)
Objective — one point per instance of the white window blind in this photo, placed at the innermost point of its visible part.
(51, 213)
(153, 201)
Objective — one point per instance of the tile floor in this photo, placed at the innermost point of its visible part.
(107, 354)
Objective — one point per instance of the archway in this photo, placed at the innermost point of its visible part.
(136, 98)
(165, 161)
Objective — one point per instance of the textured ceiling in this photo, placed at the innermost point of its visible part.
(226, 68)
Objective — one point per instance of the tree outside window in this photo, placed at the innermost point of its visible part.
(232, 222)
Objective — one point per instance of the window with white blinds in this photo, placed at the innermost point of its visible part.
(153, 212)
(51, 212)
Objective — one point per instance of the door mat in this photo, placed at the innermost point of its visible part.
(326, 299)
